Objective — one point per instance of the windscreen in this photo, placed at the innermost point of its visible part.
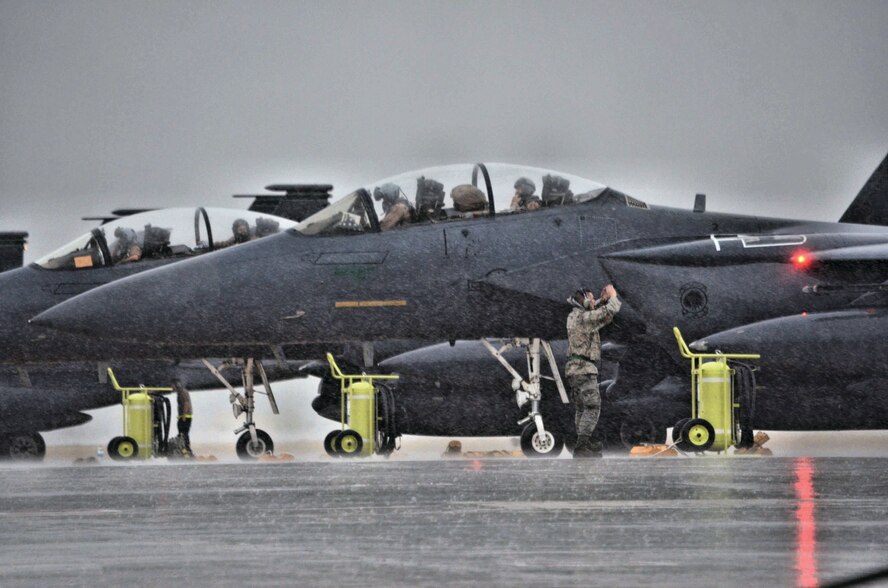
(171, 232)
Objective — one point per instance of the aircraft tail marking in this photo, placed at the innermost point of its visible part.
(870, 207)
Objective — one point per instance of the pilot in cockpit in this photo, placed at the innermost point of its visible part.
(395, 205)
(240, 233)
(524, 198)
(127, 247)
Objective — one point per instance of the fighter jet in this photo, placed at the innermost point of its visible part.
(471, 272)
(43, 385)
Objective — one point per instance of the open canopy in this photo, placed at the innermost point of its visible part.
(171, 232)
(447, 193)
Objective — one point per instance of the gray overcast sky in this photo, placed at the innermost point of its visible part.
(774, 108)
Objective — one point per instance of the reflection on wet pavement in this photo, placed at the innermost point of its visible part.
(630, 522)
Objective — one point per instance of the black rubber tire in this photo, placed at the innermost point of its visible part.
(112, 448)
(123, 448)
(636, 432)
(354, 443)
(329, 441)
(676, 432)
(23, 447)
(245, 449)
(531, 445)
(698, 440)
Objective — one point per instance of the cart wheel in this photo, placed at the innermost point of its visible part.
(535, 445)
(349, 443)
(123, 448)
(329, 441)
(676, 433)
(698, 434)
(248, 451)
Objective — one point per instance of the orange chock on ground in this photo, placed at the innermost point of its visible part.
(268, 457)
(494, 453)
(758, 446)
(653, 451)
(205, 458)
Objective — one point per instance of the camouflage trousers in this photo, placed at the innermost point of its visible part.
(587, 401)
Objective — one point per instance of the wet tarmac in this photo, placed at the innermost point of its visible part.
(495, 522)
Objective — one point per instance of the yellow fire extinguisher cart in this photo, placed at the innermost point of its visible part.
(713, 425)
(360, 417)
(140, 425)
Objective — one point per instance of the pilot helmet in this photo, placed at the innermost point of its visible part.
(525, 187)
(239, 236)
(387, 193)
(125, 235)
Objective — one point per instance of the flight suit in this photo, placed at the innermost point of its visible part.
(581, 371)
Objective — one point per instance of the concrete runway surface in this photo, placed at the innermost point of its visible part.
(493, 522)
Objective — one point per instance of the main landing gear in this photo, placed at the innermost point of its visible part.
(22, 447)
(253, 443)
(536, 440)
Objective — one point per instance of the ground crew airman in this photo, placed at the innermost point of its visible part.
(581, 371)
(183, 424)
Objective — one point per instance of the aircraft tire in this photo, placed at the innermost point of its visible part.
(349, 443)
(247, 451)
(329, 443)
(123, 448)
(534, 446)
(23, 447)
(699, 433)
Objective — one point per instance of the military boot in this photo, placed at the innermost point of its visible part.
(586, 448)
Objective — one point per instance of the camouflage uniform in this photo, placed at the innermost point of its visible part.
(584, 348)
(183, 424)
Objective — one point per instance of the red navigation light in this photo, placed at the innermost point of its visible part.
(801, 259)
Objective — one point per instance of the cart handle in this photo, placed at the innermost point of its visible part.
(686, 352)
(337, 373)
(119, 388)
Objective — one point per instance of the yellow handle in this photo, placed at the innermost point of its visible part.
(337, 373)
(119, 388)
(686, 352)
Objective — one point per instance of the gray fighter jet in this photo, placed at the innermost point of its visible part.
(43, 384)
(471, 272)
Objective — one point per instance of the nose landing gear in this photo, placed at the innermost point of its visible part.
(254, 442)
(536, 440)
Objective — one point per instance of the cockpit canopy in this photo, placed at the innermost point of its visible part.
(448, 193)
(166, 233)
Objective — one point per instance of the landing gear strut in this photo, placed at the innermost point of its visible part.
(254, 442)
(536, 440)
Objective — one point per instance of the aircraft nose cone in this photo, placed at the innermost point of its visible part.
(115, 311)
(166, 305)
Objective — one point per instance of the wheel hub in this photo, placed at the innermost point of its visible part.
(542, 443)
(256, 449)
(23, 447)
(698, 435)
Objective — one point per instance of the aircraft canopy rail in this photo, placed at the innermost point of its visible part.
(170, 232)
(453, 192)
